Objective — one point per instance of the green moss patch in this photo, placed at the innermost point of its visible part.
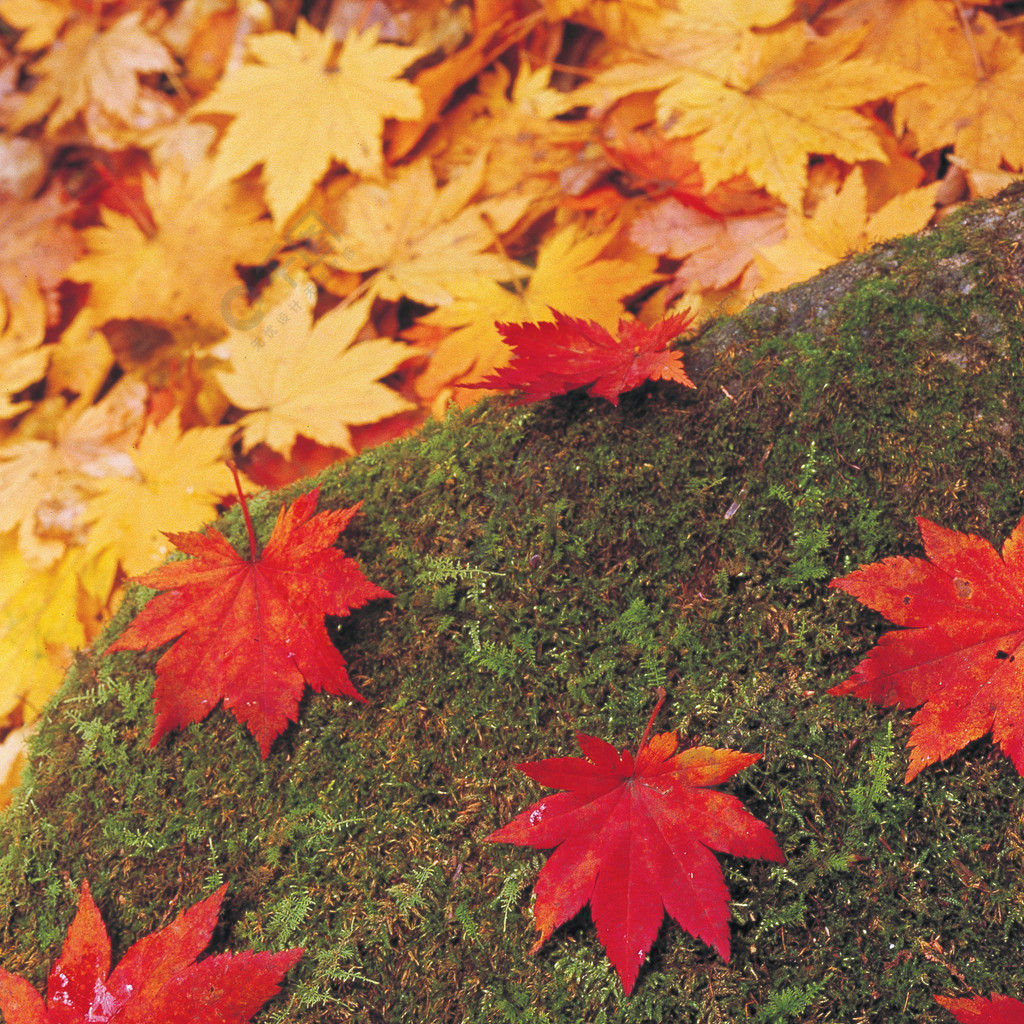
(552, 566)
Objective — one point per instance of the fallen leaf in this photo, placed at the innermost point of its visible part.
(306, 380)
(250, 631)
(38, 20)
(36, 240)
(634, 839)
(571, 275)
(93, 65)
(840, 225)
(158, 980)
(972, 73)
(174, 481)
(158, 278)
(717, 250)
(979, 1010)
(343, 102)
(964, 607)
(787, 95)
(416, 240)
(555, 358)
(49, 474)
(23, 359)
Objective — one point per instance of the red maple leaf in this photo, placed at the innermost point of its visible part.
(555, 358)
(157, 982)
(965, 610)
(634, 839)
(250, 631)
(979, 1010)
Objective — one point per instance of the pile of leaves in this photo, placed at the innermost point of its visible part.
(286, 234)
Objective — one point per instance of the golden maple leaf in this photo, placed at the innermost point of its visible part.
(177, 481)
(183, 277)
(654, 46)
(839, 226)
(89, 65)
(313, 380)
(517, 124)
(979, 108)
(39, 625)
(787, 95)
(569, 276)
(39, 21)
(418, 241)
(298, 108)
(23, 360)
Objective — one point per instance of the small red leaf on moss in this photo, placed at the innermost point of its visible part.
(634, 839)
(555, 358)
(250, 631)
(979, 1010)
(157, 982)
(961, 656)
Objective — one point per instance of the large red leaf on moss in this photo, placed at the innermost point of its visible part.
(634, 838)
(961, 656)
(157, 982)
(979, 1010)
(250, 631)
(555, 358)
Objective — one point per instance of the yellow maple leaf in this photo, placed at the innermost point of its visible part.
(654, 46)
(517, 124)
(422, 242)
(839, 226)
(311, 380)
(787, 95)
(569, 276)
(23, 360)
(973, 71)
(298, 108)
(90, 65)
(39, 626)
(978, 107)
(177, 481)
(38, 20)
(184, 276)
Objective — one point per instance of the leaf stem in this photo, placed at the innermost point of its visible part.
(657, 708)
(253, 554)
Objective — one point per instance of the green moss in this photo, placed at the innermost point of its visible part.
(552, 566)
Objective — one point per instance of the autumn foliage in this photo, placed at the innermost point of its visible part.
(249, 234)
(233, 230)
(158, 980)
(250, 631)
(959, 656)
(634, 837)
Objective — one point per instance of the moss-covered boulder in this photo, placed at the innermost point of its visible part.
(552, 566)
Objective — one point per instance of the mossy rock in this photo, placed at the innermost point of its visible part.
(552, 566)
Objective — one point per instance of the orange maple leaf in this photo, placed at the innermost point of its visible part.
(958, 656)
(250, 631)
